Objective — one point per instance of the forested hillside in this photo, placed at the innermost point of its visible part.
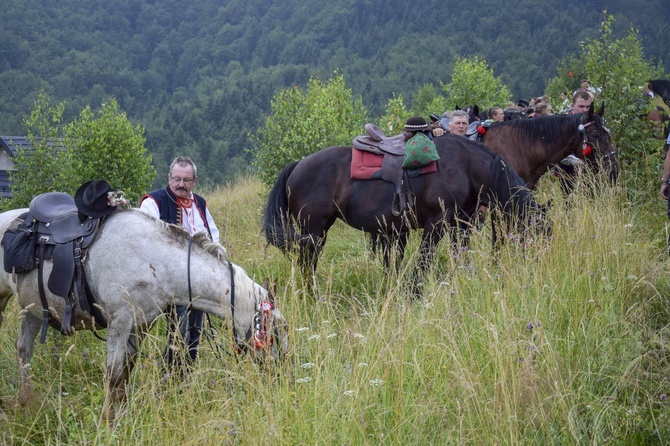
(199, 74)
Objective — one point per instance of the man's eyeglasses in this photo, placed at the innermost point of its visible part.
(177, 180)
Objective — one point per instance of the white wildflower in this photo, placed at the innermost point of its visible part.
(306, 379)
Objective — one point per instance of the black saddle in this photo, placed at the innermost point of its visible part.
(393, 150)
(54, 229)
(65, 232)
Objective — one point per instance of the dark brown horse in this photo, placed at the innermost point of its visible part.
(310, 195)
(531, 146)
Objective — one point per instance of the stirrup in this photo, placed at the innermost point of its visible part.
(67, 329)
(396, 207)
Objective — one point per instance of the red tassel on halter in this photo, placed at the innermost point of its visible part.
(587, 150)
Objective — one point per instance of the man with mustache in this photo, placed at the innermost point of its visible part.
(178, 205)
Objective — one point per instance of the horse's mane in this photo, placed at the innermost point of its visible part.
(509, 188)
(201, 239)
(546, 129)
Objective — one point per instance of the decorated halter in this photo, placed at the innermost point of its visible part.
(587, 146)
(262, 337)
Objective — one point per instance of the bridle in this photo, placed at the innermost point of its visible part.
(588, 146)
(263, 339)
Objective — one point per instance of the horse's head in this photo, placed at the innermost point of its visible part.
(598, 148)
(267, 338)
(473, 113)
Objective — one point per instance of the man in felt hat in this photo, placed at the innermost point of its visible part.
(418, 124)
(178, 205)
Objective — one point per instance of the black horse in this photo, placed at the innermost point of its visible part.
(661, 87)
(310, 195)
(531, 146)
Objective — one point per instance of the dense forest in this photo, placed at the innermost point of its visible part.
(199, 74)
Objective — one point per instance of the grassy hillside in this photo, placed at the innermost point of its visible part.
(563, 341)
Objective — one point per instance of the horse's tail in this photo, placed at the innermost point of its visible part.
(277, 224)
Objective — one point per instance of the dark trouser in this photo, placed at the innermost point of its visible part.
(190, 328)
(566, 174)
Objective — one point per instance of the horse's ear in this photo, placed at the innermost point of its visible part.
(266, 284)
(588, 115)
(601, 110)
(457, 108)
(475, 110)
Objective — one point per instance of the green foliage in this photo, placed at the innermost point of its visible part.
(304, 122)
(393, 120)
(428, 100)
(618, 69)
(473, 83)
(61, 158)
(199, 76)
(37, 167)
(107, 146)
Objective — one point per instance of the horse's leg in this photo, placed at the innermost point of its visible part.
(400, 243)
(3, 304)
(310, 248)
(429, 241)
(30, 327)
(122, 347)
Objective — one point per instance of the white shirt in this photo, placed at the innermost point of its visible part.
(191, 217)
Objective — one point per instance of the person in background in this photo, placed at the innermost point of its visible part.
(585, 85)
(178, 205)
(496, 114)
(458, 124)
(565, 102)
(565, 170)
(542, 109)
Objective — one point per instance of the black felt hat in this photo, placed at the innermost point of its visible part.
(523, 103)
(416, 124)
(92, 198)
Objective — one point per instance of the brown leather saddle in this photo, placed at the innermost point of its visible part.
(61, 235)
(393, 150)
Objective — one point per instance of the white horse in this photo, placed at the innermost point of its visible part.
(136, 267)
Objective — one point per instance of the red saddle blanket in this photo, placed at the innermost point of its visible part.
(364, 165)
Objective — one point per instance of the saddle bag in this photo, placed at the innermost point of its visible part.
(419, 151)
(19, 248)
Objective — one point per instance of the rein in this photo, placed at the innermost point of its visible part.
(262, 339)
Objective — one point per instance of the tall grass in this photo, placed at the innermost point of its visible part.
(552, 341)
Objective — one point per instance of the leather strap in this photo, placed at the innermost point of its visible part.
(40, 285)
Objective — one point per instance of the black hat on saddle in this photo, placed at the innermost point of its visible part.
(92, 199)
(416, 124)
